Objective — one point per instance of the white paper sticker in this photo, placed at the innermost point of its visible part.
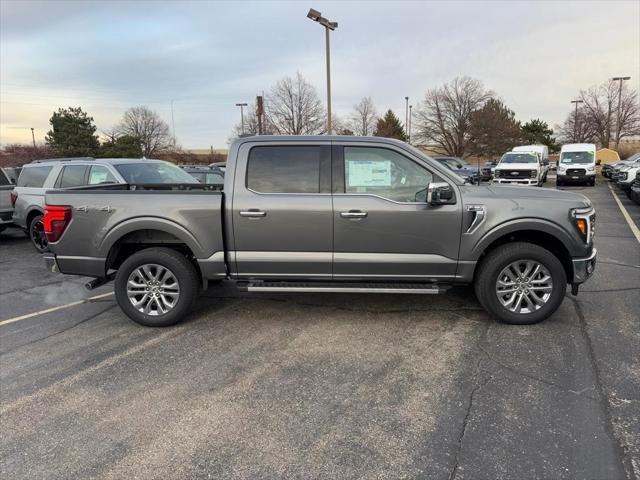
(368, 173)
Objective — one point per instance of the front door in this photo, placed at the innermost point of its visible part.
(282, 211)
(383, 227)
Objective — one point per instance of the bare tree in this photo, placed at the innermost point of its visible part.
(628, 115)
(576, 128)
(443, 119)
(148, 127)
(364, 117)
(293, 107)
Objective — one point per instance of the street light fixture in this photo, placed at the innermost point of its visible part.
(575, 119)
(328, 25)
(242, 105)
(619, 79)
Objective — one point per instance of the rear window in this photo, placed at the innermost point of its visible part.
(284, 169)
(153, 172)
(72, 176)
(34, 176)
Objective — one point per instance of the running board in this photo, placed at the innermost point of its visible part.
(322, 287)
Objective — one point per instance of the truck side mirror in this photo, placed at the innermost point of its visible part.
(439, 193)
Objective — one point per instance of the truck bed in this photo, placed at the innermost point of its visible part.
(103, 217)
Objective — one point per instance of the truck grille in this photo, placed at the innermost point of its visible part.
(576, 171)
(517, 174)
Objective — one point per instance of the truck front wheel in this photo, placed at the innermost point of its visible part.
(156, 287)
(520, 283)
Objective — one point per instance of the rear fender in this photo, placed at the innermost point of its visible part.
(149, 223)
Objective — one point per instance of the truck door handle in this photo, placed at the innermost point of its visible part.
(354, 214)
(253, 213)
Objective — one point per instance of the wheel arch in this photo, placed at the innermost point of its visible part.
(544, 234)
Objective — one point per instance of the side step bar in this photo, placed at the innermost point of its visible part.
(322, 287)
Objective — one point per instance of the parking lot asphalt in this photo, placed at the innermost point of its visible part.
(323, 386)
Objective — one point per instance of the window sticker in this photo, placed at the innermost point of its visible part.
(98, 176)
(368, 173)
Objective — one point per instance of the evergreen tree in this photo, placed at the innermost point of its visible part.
(537, 132)
(389, 126)
(72, 133)
(494, 129)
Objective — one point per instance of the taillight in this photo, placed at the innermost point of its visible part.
(14, 197)
(56, 218)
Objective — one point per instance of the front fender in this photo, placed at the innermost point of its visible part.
(520, 224)
(149, 223)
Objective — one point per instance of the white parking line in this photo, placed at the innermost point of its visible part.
(626, 215)
(53, 309)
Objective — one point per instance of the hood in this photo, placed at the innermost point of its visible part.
(517, 166)
(522, 193)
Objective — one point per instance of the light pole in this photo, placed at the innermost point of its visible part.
(241, 105)
(33, 137)
(575, 119)
(328, 25)
(409, 132)
(406, 114)
(619, 79)
(173, 126)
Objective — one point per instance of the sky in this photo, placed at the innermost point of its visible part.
(206, 56)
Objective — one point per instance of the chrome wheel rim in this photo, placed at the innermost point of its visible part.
(524, 286)
(153, 290)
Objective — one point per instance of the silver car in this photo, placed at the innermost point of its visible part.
(42, 175)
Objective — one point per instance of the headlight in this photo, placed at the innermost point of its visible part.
(497, 173)
(591, 168)
(534, 173)
(562, 169)
(584, 221)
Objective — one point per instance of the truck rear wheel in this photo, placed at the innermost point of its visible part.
(520, 283)
(156, 287)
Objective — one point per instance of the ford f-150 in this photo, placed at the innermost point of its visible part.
(325, 214)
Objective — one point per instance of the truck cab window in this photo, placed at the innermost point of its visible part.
(284, 169)
(383, 172)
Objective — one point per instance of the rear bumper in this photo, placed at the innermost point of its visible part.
(6, 217)
(85, 266)
(583, 268)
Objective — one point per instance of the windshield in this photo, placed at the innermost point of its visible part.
(519, 158)
(153, 172)
(576, 157)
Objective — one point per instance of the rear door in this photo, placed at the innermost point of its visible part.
(282, 210)
(383, 227)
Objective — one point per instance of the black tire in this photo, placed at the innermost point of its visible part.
(2, 228)
(493, 264)
(179, 266)
(36, 234)
(592, 182)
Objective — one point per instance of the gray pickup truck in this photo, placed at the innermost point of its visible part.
(325, 214)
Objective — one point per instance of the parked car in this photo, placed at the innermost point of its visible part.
(634, 192)
(6, 200)
(326, 214)
(543, 156)
(42, 175)
(205, 174)
(460, 166)
(627, 175)
(577, 164)
(614, 169)
(519, 168)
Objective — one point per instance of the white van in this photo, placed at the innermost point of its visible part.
(577, 164)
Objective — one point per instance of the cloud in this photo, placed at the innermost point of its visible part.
(206, 56)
